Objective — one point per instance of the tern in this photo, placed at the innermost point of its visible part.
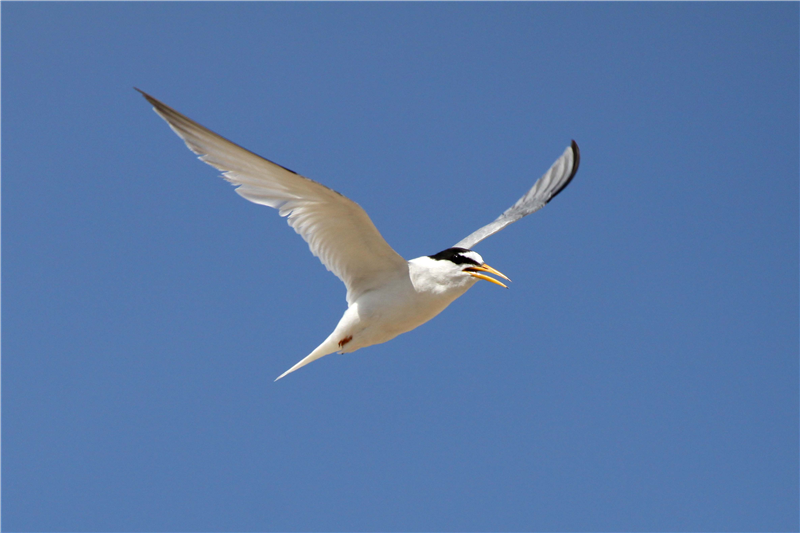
(386, 295)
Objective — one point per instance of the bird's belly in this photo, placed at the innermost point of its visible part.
(376, 318)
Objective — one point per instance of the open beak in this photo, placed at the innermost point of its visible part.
(473, 271)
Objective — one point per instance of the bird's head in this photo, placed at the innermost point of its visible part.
(469, 263)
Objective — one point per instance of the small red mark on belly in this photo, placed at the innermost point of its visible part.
(345, 341)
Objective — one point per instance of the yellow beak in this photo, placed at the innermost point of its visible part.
(486, 268)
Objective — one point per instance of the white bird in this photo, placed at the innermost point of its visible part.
(386, 295)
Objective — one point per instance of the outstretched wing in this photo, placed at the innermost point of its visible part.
(337, 229)
(553, 182)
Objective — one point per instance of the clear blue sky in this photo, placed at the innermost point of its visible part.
(640, 374)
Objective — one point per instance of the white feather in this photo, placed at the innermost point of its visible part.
(338, 231)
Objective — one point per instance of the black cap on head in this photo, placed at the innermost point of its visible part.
(459, 256)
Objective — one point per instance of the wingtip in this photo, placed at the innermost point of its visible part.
(576, 161)
(577, 153)
(155, 103)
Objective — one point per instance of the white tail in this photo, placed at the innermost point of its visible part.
(327, 347)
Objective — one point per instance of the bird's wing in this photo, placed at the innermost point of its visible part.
(553, 182)
(337, 229)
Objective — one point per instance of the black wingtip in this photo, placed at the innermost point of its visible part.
(577, 153)
(576, 156)
(147, 97)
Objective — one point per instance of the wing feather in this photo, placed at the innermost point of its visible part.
(545, 189)
(338, 231)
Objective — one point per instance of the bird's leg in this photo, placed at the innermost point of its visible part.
(345, 341)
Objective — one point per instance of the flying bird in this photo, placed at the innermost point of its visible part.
(386, 295)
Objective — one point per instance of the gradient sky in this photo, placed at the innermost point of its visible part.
(640, 374)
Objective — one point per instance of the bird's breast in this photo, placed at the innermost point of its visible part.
(399, 305)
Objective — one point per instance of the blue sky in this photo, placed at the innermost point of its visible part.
(640, 374)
